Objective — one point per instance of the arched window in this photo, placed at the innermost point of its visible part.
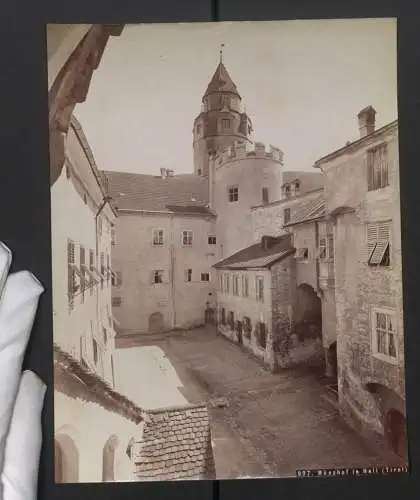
(108, 459)
(66, 460)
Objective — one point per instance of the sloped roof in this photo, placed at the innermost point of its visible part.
(176, 445)
(257, 256)
(131, 191)
(221, 82)
(308, 181)
(308, 209)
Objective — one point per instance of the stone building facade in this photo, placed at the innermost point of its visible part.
(165, 244)
(362, 196)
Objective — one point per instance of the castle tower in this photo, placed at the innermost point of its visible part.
(222, 120)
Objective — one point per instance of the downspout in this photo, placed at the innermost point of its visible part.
(105, 200)
(172, 263)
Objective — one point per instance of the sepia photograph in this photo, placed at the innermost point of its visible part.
(226, 250)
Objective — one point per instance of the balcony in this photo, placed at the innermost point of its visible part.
(326, 273)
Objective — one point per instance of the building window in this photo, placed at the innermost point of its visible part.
(260, 288)
(226, 101)
(384, 334)
(261, 335)
(235, 285)
(105, 335)
(245, 286)
(264, 194)
(71, 264)
(287, 190)
(231, 320)
(247, 327)
(108, 268)
(223, 319)
(377, 167)
(205, 276)
(199, 171)
(378, 241)
(225, 123)
(286, 215)
(302, 254)
(187, 238)
(325, 242)
(83, 272)
(116, 301)
(233, 194)
(113, 236)
(227, 283)
(157, 277)
(95, 351)
(157, 237)
(188, 275)
(117, 279)
(212, 240)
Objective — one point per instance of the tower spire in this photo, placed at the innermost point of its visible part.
(221, 52)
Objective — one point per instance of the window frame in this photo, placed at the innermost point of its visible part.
(378, 243)
(158, 242)
(245, 286)
(265, 195)
(187, 232)
(377, 168)
(212, 238)
(388, 312)
(233, 193)
(205, 280)
(155, 274)
(258, 280)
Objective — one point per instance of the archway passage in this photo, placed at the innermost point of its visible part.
(156, 323)
(308, 313)
(108, 459)
(396, 432)
(66, 460)
(209, 316)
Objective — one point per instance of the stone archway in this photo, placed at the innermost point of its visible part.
(156, 322)
(308, 313)
(66, 460)
(109, 459)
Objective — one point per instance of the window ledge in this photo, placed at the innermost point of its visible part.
(385, 358)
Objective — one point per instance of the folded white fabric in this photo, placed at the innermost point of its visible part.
(19, 296)
(23, 445)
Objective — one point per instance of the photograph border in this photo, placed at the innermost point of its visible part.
(26, 230)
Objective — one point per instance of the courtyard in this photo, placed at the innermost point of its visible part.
(263, 424)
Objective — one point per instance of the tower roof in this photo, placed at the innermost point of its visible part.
(221, 82)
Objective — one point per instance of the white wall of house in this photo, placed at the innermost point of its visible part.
(82, 429)
(135, 258)
(75, 198)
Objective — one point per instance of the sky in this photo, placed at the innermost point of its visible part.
(302, 84)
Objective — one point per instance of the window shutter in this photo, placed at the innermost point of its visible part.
(372, 237)
(384, 231)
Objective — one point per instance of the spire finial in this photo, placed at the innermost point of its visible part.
(221, 52)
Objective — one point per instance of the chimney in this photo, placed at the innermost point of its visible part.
(366, 119)
(170, 173)
(163, 173)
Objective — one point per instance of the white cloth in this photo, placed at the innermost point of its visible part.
(21, 396)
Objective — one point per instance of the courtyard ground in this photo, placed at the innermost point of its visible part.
(263, 424)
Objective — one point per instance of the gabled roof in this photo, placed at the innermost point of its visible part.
(307, 210)
(259, 255)
(176, 444)
(221, 82)
(132, 191)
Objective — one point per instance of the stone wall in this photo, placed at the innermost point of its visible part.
(180, 303)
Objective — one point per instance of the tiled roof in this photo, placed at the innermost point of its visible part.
(221, 81)
(308, 209)
(259, 255)
(132, 191)
(308, 181)
(176, 444)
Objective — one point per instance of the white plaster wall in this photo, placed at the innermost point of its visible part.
(72, 218)
(250, 174)
(90, 426)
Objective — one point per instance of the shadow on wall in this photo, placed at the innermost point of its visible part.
(66, 459)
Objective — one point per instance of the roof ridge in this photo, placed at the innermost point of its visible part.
(188, 406)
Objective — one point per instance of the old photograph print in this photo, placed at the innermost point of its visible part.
(227, 283)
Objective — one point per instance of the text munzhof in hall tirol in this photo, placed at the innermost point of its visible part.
(362, 471)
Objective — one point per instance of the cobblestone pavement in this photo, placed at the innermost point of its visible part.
(263, 424)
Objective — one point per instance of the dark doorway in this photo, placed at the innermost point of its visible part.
(308, 313)
(209, 316)
(156, 323)
(332, 359)
(395, 427)
(240, 332)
